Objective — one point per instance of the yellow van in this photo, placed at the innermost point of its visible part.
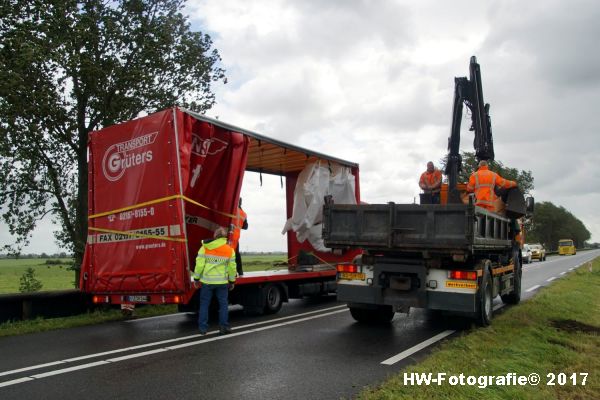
(566, 247)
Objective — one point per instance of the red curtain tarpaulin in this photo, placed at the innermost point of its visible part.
(158, 185)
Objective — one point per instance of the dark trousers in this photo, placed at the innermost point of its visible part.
(238, 260)
(430, 198)
(206, 294)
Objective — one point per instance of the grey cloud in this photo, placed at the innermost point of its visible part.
(335, 27)
(560, 36)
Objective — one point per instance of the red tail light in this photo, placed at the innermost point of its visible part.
(347, 268)
(463, 275)
(100, 299)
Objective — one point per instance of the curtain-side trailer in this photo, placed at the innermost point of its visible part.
(160, 184)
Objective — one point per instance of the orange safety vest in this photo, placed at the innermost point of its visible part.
(238, 222)
(483, 182)
(431, 178)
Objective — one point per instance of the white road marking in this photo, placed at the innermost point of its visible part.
(571, 269)
(531, 289)
(562, 273)
(551, 279)
(418, 347)
(16, 371)
(157, 317)
(15, 381)
(142, 346)
(163, 349)
(65, 370)
(136, 355)
(264, 328)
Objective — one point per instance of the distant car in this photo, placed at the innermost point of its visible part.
(538, 252)
(526, 254)
(566, 247)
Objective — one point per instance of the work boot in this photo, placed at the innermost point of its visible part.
(224, 330)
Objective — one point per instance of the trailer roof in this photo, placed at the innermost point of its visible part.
(272, 156)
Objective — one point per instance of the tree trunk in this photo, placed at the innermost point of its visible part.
(81, 217)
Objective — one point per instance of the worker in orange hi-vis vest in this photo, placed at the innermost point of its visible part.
(431, 182)
(483, 182)
(239, 222)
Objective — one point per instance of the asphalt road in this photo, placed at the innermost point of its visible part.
(310, 350)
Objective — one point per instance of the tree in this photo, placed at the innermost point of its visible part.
(551, 223)
(469, 165)
(71, 67)
(28, 282)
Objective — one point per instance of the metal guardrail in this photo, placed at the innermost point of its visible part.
(49, 304)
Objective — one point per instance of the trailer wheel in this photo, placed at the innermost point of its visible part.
(485, 313)
(273, 299)
(514, 297)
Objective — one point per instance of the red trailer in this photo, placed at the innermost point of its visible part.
(160, 184)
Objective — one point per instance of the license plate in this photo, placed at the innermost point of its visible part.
(352, 275)
(461, 285)
(138, 299)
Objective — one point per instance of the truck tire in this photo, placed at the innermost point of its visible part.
(361, 314)
(381, 315)
(485, 313)
(514, 297)
(273, 299)
(385, 314)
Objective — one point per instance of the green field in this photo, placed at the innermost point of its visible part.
(53, 277)
(263, 263)
(59, 277)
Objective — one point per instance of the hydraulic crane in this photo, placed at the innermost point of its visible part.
(470, 93)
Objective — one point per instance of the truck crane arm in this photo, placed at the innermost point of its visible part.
(470, 93)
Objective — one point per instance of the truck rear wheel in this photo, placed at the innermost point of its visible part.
(485, 313)
(514, 297)
(381, 315)
(273, 299)
(385, 314)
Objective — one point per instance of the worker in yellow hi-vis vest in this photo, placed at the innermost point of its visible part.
(216, 272)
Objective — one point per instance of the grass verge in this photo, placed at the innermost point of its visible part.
(557, 331)
(95, 317)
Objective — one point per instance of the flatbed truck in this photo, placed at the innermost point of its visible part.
(454, 257)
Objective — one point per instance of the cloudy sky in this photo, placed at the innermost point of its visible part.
(372, 82)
